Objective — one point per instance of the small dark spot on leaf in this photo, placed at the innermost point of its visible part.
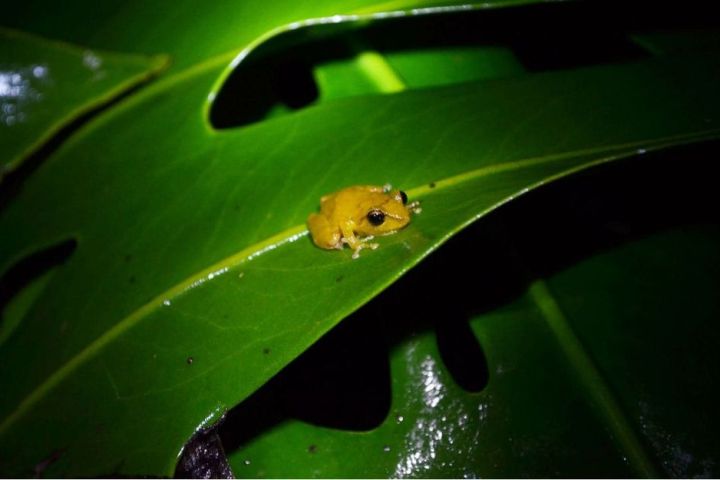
(432, 185)
(128, 257)
(312, 448)
(339, 279)
(266, 351)
(190, 360)
(132, 279)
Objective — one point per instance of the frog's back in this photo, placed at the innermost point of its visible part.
(344, 203)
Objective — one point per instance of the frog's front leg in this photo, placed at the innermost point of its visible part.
(357, 244)
(360, 244)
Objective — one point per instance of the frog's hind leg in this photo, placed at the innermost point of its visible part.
(323, 234)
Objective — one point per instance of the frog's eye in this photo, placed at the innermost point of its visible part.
(403, 196)
(376, 217)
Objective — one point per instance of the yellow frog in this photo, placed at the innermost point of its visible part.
(354, 215)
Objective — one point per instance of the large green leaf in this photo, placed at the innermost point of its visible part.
(193, 283)
(46, 85)
(195, 262)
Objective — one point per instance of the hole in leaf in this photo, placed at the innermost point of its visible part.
(23, 283)
(265, 88)
(342, 382)
(321, 63)
(555, 52)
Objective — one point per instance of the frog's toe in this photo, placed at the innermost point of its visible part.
(364, 244)
(414, 207)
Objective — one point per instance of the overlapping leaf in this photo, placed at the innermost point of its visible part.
(46, 85)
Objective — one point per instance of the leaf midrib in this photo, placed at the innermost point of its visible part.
(605, 154)
(592, 380)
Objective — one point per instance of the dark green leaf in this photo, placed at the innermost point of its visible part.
(193, 283)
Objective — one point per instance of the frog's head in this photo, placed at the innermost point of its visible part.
(386, 213)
